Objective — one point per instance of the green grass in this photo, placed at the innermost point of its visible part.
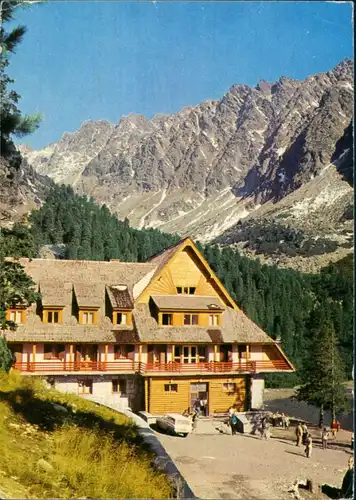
(86, 451)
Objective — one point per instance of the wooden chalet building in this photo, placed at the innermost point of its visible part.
(152, 336)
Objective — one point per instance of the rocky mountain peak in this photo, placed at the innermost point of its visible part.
(201, 170)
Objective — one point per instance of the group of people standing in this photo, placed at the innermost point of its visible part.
(304, 437)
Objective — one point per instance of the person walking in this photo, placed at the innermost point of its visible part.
(194, 417)
(324, 438)
(299, 434)
(308, 446)
(287, 422)
(233, 424)
(283, 418)
(264, 428)
(305, 433)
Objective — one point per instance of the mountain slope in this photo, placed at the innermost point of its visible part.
(203, 169)
(21, 190)
(311, 226)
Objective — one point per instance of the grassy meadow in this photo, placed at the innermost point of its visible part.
(56, 445)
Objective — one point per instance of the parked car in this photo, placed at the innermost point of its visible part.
(175, 423)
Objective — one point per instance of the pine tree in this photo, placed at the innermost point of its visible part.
(15, 286)
(322, 373)
(13, 123)
(6, 357)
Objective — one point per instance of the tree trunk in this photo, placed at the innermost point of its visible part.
(333, 412)
(321, 416)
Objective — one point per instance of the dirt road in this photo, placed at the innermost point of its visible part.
(248, 468)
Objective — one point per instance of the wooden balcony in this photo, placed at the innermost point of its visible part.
(54, 367)
(78, 366)
(216, 367)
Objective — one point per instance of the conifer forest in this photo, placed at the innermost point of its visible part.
(287, 304)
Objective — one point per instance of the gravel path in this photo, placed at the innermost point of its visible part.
(247, 467)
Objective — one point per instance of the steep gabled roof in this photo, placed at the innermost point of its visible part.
(86, 271)
(164, 257)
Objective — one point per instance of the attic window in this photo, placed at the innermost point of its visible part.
(167, 319)
(186, 290)
(15, 315)
(121, 318)
(191, 319)
(87, 317)
(53, 316)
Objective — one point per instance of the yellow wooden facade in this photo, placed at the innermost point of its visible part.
(178, 317)
(187, 269)
(222, 393)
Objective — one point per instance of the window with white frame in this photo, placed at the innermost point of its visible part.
(88, 317)
(121, 318)
(213, 320)
(16, 316)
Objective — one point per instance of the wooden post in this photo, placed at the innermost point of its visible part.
(146, 394)
(34, 353)
(215, 353)
(71, 353)
(247, 352)
(140, 353)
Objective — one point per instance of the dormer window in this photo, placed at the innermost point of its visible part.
(119, 304)
(186, 290)
(214, 319)
(16, 315)
(167, 319)
(51, 315)
(191, 319)
(87, 317)
(122, 317)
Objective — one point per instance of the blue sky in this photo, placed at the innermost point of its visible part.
(101, 60)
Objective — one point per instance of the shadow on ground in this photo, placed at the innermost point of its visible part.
(54, 414)
(157, 429)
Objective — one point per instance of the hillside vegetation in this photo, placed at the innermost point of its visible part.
(56, 445)
(284, 302)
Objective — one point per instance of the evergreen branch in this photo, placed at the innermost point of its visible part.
(13, 38)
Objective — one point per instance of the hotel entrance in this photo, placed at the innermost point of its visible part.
(199, 395)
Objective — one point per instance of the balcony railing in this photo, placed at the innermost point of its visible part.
(139, 367)
(216, 366)
(78, 366)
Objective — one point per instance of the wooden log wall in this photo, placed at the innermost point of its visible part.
(161, 401)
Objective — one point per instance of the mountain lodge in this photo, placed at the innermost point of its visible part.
(155, 336)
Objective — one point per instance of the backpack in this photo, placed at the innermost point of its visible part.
(234, 420)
